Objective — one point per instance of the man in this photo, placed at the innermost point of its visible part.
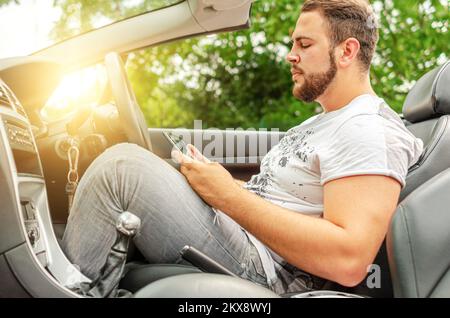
(323, 200)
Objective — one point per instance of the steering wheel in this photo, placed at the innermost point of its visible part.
(130, 114)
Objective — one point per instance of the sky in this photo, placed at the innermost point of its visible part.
(25, 28)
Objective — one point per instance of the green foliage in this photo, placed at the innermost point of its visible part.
(413, 40)
(6, 2)
(241, 80)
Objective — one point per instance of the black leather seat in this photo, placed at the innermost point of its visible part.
(204, 286)
(418, 242)
(427, 109)
(139, 275)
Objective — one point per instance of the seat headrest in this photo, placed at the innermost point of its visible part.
(430, 97)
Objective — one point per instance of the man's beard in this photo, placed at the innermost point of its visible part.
(315, 84)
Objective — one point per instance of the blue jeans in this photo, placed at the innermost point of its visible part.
(129, 178)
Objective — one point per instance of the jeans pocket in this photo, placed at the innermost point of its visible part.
(254, 268)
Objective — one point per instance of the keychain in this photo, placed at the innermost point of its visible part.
(72, 177)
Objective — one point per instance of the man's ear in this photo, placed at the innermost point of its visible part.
(348, 52)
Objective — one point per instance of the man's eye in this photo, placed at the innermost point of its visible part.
(298, 44)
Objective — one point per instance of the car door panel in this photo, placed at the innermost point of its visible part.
(239, 151)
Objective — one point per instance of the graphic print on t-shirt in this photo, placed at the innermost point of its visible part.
(293, 146)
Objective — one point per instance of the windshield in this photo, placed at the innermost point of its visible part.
(27, 26)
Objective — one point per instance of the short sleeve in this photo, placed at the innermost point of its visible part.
(369, 144)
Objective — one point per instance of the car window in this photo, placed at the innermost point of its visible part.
(161, 87)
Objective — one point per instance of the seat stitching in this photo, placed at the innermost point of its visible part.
(435, 83)
(431, 147)
(403, 214)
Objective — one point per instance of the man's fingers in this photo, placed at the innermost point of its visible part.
(196, 154)
(175, 154)
(186, 163)
(184, 170)
(191, 150)
(180, 158)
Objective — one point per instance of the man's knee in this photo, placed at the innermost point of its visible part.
(126, 149)
(131, 153)
(130, 159)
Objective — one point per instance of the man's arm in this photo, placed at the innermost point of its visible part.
(339, 247)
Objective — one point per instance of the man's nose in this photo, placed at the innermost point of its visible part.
(293, 58)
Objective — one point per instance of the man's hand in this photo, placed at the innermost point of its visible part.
(210, 180)
(196, 154)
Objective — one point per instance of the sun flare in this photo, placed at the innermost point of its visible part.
(81, 88)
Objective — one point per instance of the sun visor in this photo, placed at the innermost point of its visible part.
(216, 15)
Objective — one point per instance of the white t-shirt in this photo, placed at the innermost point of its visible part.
(364, 137)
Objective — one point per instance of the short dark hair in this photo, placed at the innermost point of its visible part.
(346, 19)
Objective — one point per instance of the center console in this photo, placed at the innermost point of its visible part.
(31, 261)
(29, 177)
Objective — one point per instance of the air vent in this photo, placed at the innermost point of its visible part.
(4, 100)
(16, 103)
(12, 100)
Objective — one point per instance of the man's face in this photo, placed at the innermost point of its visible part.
(312, 59)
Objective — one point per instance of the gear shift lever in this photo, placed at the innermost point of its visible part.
(128, 224)
(106, 284)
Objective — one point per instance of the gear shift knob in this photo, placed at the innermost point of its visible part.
(128, 223)
(106, 284)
